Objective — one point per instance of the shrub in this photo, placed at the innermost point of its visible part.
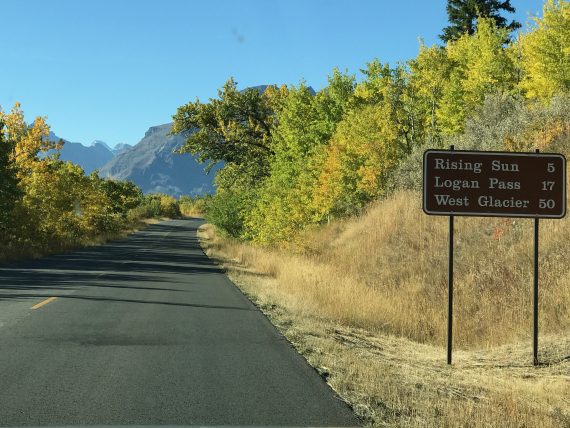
(193, 206)
(169, 207)
(227, 211)
(502, 123)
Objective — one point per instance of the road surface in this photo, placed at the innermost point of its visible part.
(147, 331)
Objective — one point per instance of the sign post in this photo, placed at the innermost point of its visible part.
(450, 293)
(494, 184)
(535, 296)
(450, 289)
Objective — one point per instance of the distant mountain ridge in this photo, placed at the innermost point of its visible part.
(120, 148)
(261, 88)
(88, 157)
(154, 167)
(151, 164)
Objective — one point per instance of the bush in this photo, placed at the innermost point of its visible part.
(148, 208)
(502, 123)
(227, 210)
(123, 195)
(169, 207)
(508, 123)
(194, 206)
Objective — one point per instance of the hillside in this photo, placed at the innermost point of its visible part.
(152, 165)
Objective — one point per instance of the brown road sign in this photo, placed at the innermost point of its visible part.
(498, 184)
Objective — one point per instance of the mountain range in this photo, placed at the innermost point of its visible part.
(88, 157)
(151, 163)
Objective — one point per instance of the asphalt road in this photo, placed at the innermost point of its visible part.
(147, 331)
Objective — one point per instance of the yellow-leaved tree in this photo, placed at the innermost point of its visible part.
(58, 205)
(545, 53)
(429, 74)
(364, 149)
(480, 64)
(28, 140)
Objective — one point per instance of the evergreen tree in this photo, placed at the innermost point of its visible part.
(463, 16)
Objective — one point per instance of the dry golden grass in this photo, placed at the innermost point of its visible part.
(365, 300)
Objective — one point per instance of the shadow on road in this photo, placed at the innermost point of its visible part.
(111, 299)
(156, 255)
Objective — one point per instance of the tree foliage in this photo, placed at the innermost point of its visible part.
(234, 128)
(330, 154)
(306, 123)
(359, 157)
(47, 204)
(123, 195)
(429, 77)
(479, 65)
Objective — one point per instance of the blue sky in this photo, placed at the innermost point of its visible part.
(108, 70)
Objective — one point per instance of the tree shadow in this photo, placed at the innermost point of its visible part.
(124, 300)
(159, 258)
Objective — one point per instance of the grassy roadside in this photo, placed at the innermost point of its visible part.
(386, 357)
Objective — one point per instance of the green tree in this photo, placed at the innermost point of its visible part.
(306, 124)
(390, 88)
(123, 195)
(235, 128)
(463, 15)
(236, 194)
(363, 151)
(429, 74)
(295, 138)
(227, 210)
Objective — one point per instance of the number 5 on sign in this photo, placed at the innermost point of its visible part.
(550, 167)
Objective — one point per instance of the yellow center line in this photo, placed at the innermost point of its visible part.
(45, 302)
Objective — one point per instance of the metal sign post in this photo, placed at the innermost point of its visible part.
(450, 293)
(450, 289)
(535, 299)
(494, 184)
(535, 296)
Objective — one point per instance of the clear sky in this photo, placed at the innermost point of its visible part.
(109, 69)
